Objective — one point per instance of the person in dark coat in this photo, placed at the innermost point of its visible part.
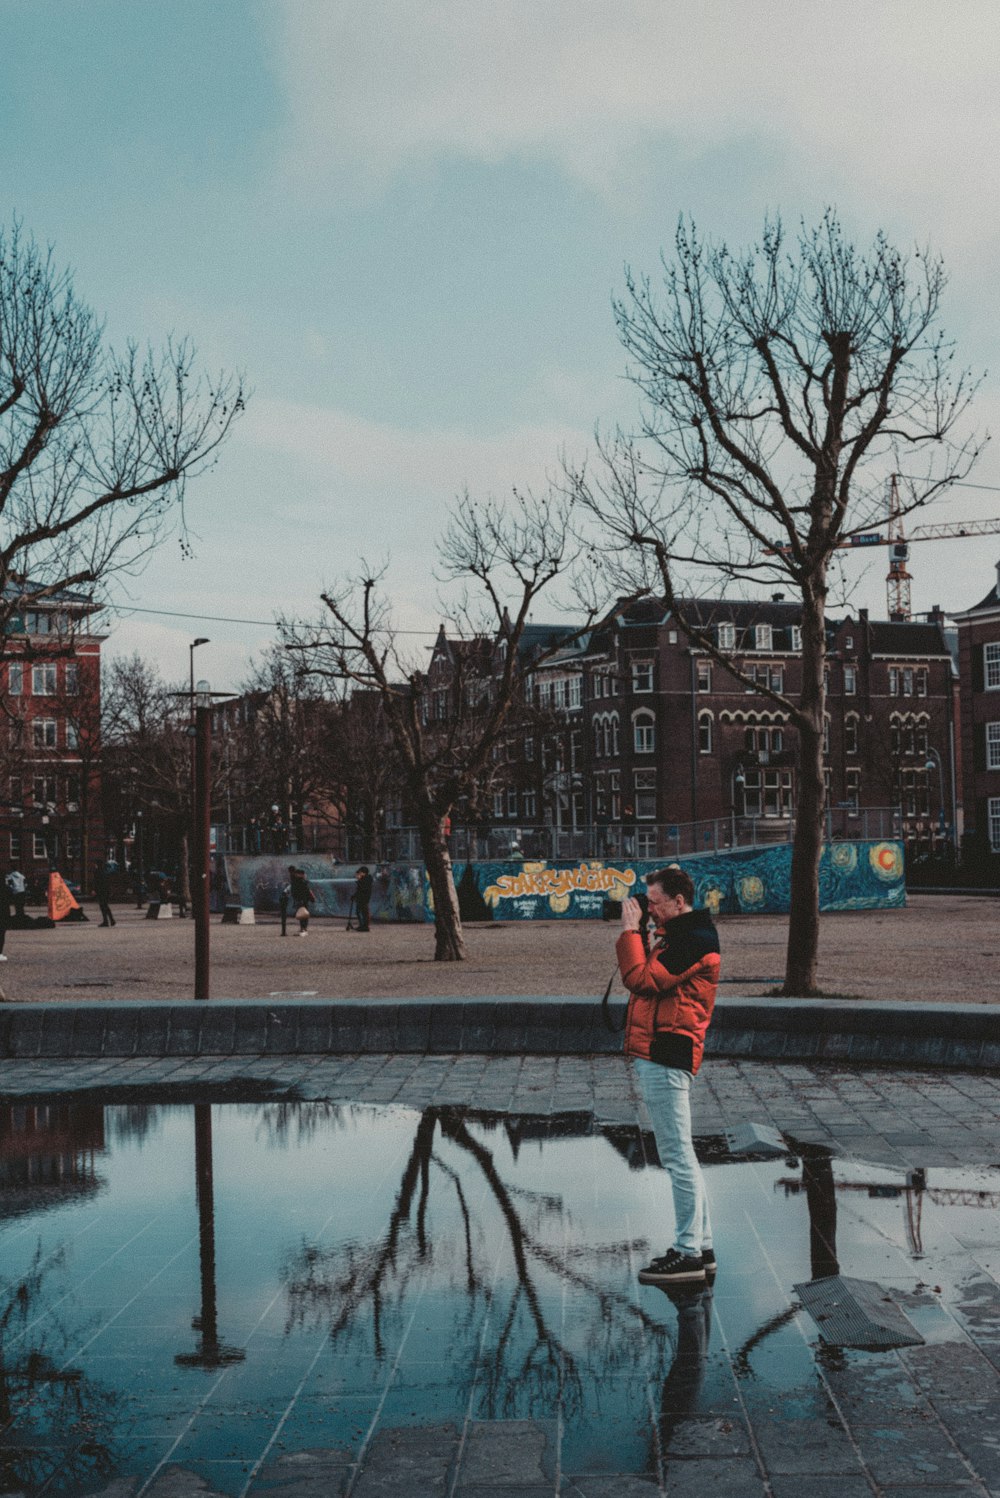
(300, 899)
(102, 889)
(363, 897)
(283, 899)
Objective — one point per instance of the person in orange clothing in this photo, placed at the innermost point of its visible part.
(672, 990)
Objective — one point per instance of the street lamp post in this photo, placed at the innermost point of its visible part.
(934, 762)
(200, 895)
(739, 782)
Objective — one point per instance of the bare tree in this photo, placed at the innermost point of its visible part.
(95, 446)
(506, 556)
(783, 385)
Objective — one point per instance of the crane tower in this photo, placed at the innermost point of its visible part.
(898, 579)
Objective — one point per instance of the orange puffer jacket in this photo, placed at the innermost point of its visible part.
(671, 991)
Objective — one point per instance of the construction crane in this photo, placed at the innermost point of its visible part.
(898, 578)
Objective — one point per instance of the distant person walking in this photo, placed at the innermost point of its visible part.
(102, 889)
(18, 887)
(672, 990)
(300, 899)
(363, 897)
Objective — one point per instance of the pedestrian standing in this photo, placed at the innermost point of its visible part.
(4, 917)
(102, 889)
(300, 898)
(18, 887)
(363, 897)
(283, 902)
(672, 992)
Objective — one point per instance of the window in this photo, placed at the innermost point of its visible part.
(850, 681)
(848, 642)
(512, 803)
(39, 845)
(43, 733)
(704, 676)
(826, 734)
(762, 637)
(767, 793)
(529, 749)
(992, 814)
(74, 843)
(498, 803)
(705, 733)
(72, 678)
(39, 623)
(827, 786)
(853, 790)
(614, 748)
(642, 676)
(850, 734)
(644, 733)
(600, 797)
(72, 735)
(615, 783)
(15, 848)
(599, 748)
(777, 678)
(671, 637)
(575, 691)
(777, 740)
(993, 746)
(612, 686)
(923, 746)
(645, 795)
(575, 747)
(646, 842)
(559, 694)
(43, 680)
(991, 666)
(895, 736)
(922, 682)
(725, 635)
(796, 633)
(893, 681)
(907, 682)
(440, 705)
(43, 790)
(15, 678)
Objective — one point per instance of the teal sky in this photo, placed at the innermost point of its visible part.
(405, 220)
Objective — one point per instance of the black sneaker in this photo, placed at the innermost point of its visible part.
(708, 1263)
(673, 1269)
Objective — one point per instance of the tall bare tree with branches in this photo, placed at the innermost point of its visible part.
(505, 556)
(783, 384)
(95, 446)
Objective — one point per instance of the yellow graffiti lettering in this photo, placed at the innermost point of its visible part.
(559, 883)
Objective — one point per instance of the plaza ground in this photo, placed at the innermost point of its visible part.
(939, 949)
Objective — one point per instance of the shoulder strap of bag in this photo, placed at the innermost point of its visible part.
(606, 1007)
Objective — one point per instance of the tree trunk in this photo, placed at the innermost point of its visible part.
(803, 922)
(185, 870)
(449, 945)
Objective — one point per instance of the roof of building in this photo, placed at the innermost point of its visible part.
(906, 638)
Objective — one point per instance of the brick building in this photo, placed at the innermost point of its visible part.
(50, 678)
(979, 671)
(643, 743)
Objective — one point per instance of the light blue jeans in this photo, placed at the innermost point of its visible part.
(667, 1091)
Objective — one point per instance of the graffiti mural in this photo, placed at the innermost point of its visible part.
(746, 881)
(853, 876)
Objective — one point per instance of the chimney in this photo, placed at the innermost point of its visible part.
(935, 616)
(780, 597)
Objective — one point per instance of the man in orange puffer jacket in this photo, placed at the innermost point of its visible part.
(671, 996)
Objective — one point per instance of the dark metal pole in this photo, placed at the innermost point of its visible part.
(202, 821)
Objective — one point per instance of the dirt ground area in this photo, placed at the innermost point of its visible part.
(940, 949)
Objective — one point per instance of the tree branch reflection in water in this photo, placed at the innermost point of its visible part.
(499, 1251)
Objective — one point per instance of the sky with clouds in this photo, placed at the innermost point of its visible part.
(405, 221)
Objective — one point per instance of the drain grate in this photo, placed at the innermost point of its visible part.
(857, 1313)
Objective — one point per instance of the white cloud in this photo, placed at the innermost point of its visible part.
(890, 103)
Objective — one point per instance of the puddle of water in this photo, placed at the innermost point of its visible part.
(214, 1286)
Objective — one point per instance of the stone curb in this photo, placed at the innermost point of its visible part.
(962, 1036)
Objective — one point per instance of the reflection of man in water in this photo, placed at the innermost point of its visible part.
(682, 1385)
(671, 996)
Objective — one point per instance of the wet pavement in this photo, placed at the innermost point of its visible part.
(389, 1275)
